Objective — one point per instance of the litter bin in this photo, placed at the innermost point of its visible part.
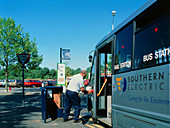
(51, 97)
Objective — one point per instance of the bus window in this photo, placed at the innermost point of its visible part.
(102, 64)
(109, 63)
(123, 53)
(102, 78)
(152, 46)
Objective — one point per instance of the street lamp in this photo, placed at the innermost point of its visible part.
(113, 13)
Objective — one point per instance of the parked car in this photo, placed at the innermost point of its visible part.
(15, 83)
(32, 83)
(2, 83)
(51, 83)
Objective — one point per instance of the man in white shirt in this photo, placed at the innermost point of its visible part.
(71, 98)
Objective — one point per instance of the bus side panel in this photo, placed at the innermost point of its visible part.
(129, 120)
(143, 92)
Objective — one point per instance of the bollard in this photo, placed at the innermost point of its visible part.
(9, 88)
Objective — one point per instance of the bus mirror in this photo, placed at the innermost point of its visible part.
(90, 58)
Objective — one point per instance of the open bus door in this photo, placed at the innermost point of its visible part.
(102, 85)
(104, 89)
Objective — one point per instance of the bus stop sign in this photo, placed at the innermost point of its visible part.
(23, 58)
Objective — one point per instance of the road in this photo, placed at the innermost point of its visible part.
(14, 115)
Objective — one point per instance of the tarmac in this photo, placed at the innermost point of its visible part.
(14, 115)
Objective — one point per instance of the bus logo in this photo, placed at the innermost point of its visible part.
(121, 83)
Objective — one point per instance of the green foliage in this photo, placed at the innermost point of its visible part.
(45, 71)
(109, 63)
(53, 73)
(77, 71)
(88, 70)
(2, 74)
(40, 73)
(14, 41)
(68, 71)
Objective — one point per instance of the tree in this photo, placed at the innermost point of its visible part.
(109, 68)
(2, 74)
(68, 71)
(15, 74)
(45, 71)
(77, 71)
(14, 41)
(88, 70)
(53, 73)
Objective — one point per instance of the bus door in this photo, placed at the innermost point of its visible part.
(104, 89)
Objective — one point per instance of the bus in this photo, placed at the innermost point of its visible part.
(130, 71)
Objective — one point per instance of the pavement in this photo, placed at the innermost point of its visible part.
(14, 115)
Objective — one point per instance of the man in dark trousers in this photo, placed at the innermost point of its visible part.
(72, 96)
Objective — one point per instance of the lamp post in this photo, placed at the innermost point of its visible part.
(113, 13)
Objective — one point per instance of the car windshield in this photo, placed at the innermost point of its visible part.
(11, 80)
(28, 80)
(37, 81)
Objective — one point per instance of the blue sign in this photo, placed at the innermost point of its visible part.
(66, 54)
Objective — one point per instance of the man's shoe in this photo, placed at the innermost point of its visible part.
(64, 120)
(76, 121)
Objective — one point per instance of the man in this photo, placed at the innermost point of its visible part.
(72, 98)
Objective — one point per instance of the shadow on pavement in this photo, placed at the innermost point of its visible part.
(13, 115)
(85, 118)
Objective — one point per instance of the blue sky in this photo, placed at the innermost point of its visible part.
(77, 25)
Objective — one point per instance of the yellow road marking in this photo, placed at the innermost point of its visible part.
(89, 126)
(98, 126)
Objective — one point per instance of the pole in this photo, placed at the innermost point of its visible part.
(62, 96)
(60, 55)
(113, 23)
(113, 13)
(23, 100)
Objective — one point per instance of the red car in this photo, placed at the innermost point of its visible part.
(32, 83)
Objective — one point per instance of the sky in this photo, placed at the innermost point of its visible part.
(77, 25)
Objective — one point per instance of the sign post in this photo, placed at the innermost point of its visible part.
(64, 55)
(23, 58)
